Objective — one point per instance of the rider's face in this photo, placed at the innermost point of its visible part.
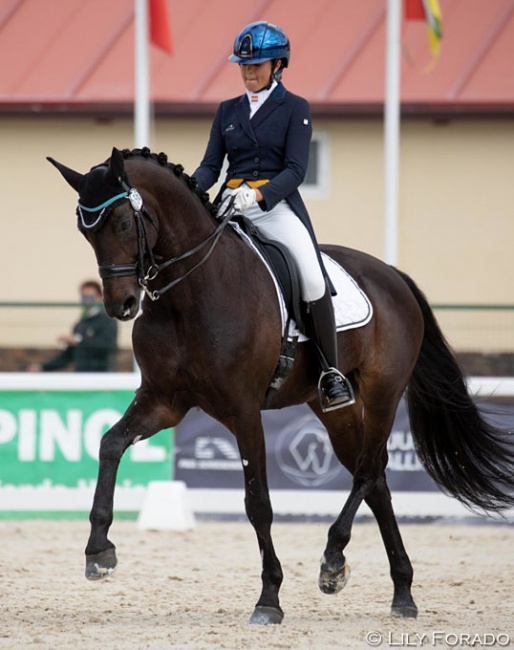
(256, 76)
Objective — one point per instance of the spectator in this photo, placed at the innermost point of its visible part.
(92, 345)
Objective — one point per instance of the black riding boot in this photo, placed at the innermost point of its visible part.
(334, 389)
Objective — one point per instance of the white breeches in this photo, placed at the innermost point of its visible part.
(284, 226)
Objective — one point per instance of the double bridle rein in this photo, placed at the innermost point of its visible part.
(143, 247)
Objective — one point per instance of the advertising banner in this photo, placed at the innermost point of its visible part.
(298, 451)
(300, 459)
(49, 443)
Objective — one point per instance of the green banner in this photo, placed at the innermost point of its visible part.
(49, 443)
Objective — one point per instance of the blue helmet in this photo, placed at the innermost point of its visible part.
(259, 42)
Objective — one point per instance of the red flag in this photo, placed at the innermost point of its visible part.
(160, 32)
(414, 10)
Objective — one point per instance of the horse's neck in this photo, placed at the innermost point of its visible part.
(183, 221)
(184, 227)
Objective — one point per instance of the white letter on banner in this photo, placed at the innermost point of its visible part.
(66, 435)
(27, 435)
(7, 427)
(143, 452)
(95, 426)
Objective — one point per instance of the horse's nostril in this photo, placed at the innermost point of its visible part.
(128, 306)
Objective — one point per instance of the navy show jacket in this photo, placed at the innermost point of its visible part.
(273, 145)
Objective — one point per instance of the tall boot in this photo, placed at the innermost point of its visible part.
(334, 389)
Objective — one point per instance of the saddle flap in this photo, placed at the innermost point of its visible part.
(283, 266)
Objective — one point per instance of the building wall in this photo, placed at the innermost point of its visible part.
(456, 212)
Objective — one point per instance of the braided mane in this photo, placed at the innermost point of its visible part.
(162, 159)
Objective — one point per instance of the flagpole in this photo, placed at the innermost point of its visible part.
(141, 85)
(392, 131)
(142, 76)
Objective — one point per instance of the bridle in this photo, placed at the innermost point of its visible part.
(144, 251)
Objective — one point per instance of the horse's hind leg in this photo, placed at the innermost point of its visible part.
(345, 431)
(144, 417)
(401, 568)
(362, 457)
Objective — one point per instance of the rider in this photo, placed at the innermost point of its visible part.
(266, 134)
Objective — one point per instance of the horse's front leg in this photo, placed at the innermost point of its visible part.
(258, 509)
(145, 416)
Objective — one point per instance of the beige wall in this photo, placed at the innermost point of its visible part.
(456, 222)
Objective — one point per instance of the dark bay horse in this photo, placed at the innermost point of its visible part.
(209, 337)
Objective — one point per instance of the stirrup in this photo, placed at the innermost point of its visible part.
(346, 396)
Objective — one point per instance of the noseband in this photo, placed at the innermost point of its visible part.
(144, 250)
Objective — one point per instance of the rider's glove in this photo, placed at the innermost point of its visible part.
(245, 198)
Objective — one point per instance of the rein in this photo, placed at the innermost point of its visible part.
(144, 250)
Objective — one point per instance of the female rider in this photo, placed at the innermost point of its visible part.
(266, 134)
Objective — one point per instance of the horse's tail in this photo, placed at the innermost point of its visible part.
(472, 460)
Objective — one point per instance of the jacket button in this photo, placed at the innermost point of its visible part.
(255, 146)
(255, 173)
(256, 159)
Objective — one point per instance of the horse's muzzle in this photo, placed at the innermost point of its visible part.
(125, 309)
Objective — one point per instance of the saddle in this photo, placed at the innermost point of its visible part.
(284, 268)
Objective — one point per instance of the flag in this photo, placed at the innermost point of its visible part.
(430, 12)
(414, 10)
(160, 32)
(434, 24)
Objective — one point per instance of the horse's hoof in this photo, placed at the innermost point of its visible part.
(101, 565)
(405, 611)
(332, 582)
(267, 616)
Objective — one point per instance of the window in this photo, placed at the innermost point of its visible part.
(316, 183)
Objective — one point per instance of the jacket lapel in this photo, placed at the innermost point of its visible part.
(243, 112)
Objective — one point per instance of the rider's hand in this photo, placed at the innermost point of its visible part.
(245, 198)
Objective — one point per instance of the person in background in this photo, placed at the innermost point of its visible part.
(266, 133)
(92, 345)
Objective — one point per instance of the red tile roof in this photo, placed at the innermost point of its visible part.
(77, 55)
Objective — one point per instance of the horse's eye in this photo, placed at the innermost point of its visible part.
(124, 225)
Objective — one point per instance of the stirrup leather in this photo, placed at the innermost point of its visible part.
(328, 404)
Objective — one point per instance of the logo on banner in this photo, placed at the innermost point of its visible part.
(305, 456)
(212, 452)
(402, 453)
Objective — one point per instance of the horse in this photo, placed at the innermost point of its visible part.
(209, 336)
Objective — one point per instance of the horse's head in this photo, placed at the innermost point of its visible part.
(112, 218)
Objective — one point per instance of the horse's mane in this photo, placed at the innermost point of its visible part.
(178, 170)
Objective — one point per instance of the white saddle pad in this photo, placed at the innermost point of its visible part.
(352, 307)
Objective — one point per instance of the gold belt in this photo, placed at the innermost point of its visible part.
(234, 183)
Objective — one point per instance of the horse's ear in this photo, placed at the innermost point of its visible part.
(116, 166)
(73, 178)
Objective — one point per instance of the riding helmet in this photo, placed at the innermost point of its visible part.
(261, 41)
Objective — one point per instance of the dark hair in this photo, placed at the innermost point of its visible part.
(92, 284)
